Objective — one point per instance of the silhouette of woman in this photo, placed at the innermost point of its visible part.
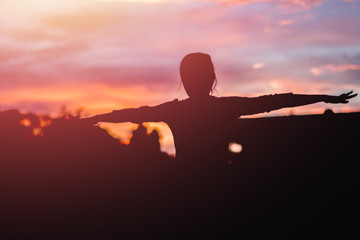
(200, 122)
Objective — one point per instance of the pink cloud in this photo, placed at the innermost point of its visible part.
(306, 4)
(285, 22)
(258, 65)
(333, 68)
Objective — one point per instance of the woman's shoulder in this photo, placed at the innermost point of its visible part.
(212, 100)
(229, 98)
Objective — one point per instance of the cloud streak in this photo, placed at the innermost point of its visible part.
(333, 68)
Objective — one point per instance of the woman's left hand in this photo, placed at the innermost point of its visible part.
(343, 98)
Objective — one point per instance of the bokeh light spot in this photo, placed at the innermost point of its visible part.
(235, 147)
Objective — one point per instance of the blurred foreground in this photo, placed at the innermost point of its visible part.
(295, 177)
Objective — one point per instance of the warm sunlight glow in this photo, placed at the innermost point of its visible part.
(25, 122)
(235, 147)
(122, 131)
(44, 122)
(37, 132)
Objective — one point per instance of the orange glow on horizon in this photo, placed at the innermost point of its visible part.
(25, 122)
(94, 98)
(37, 132)
(122, 131)
(44, 122)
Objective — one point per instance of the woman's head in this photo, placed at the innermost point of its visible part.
(197, 74)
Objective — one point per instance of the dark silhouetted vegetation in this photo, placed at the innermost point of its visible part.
(296, 177)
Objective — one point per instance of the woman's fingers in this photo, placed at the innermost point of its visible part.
(348, 95)
(353, 95)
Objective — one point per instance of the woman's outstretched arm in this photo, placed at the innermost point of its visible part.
(135, 115)
(296, 100)
(269, 103)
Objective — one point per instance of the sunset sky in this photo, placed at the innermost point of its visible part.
(104, 55)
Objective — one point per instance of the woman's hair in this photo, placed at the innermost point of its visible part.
(198, 74)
